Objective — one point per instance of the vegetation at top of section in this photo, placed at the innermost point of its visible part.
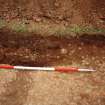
(48, 29)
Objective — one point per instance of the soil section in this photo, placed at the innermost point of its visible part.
(36, 50)
(52, 88)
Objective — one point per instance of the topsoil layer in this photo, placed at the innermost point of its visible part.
(82, 12)
(52, 88)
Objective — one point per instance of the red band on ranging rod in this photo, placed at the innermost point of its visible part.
(66, 69)
(6, 67)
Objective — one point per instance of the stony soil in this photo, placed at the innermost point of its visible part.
(82, 12)
(52, 88)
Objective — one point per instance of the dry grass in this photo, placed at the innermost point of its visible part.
(48, 29)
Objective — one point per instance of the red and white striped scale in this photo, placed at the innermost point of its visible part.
(59, 69)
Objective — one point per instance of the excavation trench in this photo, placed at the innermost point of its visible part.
(18, 88)
(36, 50)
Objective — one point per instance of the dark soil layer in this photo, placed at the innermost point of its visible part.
(52, 88)
(35, 50)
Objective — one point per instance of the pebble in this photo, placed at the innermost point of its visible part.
(79, 48)
(93, 58)
(58, 57)
(82, 44)
(83, 57)
(85, 62)
(47, 55)
(37, 19)
(64, 51)
(69, 45)
(56, 4)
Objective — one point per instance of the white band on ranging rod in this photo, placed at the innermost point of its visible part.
(35, 68)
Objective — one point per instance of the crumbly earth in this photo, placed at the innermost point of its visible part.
(81, 12)
(29, 49)
(52, 88)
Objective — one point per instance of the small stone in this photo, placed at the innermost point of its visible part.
(26, 57)
(69, 45)
(47, 55)
(64, 51)
(37, 19)
(79, 48)
(93, 58)
(58, 57)
(83, 57)
(56, 4)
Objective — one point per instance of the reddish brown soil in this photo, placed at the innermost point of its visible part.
(83, 12)
(35, 50)
(52, 88)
